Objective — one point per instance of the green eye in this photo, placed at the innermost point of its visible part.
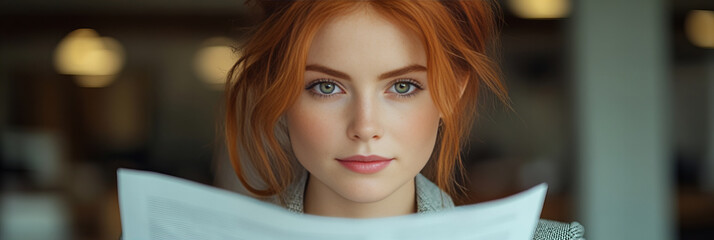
(324, 88)
(402, 87)
(327, 88)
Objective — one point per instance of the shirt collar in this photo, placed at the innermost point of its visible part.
(428, 196)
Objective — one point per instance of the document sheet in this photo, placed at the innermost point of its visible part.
(156, 207)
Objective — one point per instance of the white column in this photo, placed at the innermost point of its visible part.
(622, 96)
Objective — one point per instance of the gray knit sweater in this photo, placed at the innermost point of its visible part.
(430, 198)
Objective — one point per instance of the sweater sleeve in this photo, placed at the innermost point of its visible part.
(552, 230)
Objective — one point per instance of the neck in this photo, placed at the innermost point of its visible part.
(321, 200)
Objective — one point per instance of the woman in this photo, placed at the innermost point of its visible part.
(337, 106)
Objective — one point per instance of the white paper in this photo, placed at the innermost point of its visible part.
(156, 207)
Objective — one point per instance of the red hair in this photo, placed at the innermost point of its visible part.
(266, 80)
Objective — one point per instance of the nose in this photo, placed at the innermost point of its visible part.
(364, 123)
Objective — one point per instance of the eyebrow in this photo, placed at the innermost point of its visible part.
(390, 74)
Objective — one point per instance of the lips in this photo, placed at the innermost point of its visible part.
(365, 164)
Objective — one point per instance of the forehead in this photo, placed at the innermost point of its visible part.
(364, 39)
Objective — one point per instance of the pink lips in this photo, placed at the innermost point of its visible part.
(365, 164)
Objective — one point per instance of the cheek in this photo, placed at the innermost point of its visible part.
(311, 132)
(416, 128)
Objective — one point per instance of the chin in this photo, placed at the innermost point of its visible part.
(365, 191)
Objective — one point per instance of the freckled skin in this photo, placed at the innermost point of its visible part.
(366, 116)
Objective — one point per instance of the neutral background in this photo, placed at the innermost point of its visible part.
(614, 109)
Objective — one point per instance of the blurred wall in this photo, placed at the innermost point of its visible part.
(62, 143)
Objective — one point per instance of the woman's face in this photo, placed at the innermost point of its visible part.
(365, 124)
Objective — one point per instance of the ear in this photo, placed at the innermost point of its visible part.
(462, 88)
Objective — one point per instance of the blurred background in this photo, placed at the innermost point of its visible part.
(613, 100)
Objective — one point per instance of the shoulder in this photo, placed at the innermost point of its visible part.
(292, 197)
(553, 230)
(430, 197)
